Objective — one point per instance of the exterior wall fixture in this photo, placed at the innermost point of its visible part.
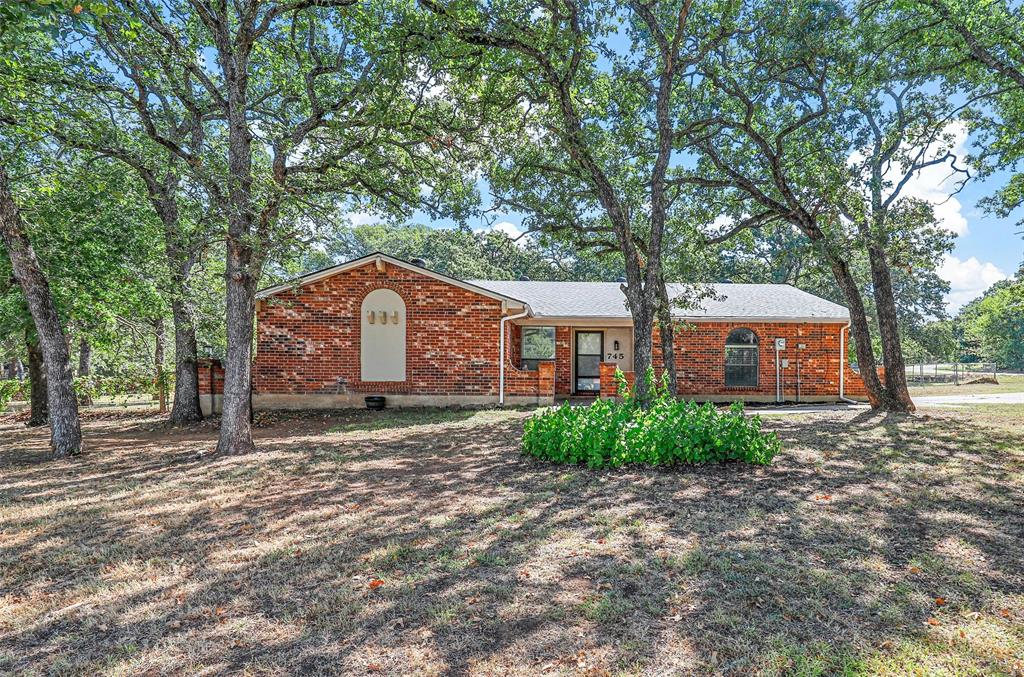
(373, 315)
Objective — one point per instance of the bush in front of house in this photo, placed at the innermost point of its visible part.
(611, 433)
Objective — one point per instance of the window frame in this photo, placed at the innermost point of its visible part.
(755, 347)
(531, 363)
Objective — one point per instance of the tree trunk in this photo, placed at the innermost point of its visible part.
(861, 333)
(242, 270)
(186, 407)
(158, 360)
(896, 393)
(65, 429)
(236, 415)
(37, 382)
(667, 332)
(84, 367)
(84, 358)
(642, 306)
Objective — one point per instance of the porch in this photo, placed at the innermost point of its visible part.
(576, 352)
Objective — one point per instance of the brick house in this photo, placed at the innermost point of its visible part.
(382, 326)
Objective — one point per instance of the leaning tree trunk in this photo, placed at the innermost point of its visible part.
(896, 393)
(65, 429)
(186, 407)
(858, 316)
(84, 368)
(861, 333)
(37, 384)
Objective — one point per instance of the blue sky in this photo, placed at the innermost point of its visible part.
(991, 248)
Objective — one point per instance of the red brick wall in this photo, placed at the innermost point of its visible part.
(204, 376)
(308, 342)
(308, 339)
(700, 359)
(609, 384)
(515, 343)
(530, 383)
(563, 360)
(853, 386)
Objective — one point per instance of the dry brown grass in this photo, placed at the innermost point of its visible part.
(424, 544)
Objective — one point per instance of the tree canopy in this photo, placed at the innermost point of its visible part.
(169, 157)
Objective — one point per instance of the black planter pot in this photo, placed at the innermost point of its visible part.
(375, 402)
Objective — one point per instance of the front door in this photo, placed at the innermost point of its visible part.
(589, 348)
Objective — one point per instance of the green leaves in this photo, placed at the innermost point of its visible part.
(994, 324)
(670, 432)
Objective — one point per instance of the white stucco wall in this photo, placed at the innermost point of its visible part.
(624, 355)
(382, 337)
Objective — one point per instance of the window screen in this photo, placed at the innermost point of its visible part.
(741, 359)
(538, 345)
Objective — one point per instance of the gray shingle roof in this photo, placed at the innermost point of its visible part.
(606, 300)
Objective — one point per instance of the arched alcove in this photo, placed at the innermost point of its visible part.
(382, 339)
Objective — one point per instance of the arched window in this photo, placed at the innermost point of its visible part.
(741, 359)
(382, 337)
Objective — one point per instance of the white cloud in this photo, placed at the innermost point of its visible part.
(362, 218)
(935, 184)
(967, 279)
(507, 227)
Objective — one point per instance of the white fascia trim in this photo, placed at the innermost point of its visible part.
(369, 258)
(577, 319)
(745, 318)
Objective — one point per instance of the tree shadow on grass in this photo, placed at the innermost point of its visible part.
(489, 562)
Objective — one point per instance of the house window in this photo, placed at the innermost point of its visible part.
(538, 345)
(741, 359)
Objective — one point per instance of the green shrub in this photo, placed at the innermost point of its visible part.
(9, 389)
(120, 385)
(611, 433)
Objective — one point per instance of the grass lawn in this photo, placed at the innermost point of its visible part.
(423, 543)
(1008, 383)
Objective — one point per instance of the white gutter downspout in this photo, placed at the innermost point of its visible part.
(501, 353)
(842, 365)
(778, 383)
